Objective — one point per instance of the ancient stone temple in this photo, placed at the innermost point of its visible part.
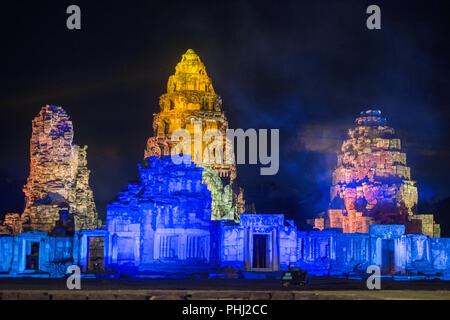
(372, 183)
(57, 193)
(192, 104)
(163, 221)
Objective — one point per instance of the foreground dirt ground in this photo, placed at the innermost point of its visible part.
(320, 288)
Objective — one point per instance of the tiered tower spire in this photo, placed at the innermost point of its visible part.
(191, 101)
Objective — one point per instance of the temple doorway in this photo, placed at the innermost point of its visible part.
(32, 257)
(388, 257)
(260, 251)
(96, 253)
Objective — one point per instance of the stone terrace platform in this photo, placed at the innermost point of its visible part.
(320, 288)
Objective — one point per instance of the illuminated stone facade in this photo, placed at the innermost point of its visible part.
(163, 221)
(372, 183)
(12, 224)
(167, 222)
(57, 194)
(192, 104)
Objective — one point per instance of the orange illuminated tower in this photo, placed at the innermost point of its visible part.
(192, 104)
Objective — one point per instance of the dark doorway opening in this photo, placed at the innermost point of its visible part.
(96, 256)
(388, 257)
(32, 258)
(259, 251)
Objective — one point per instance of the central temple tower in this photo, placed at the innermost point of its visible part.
(192, 104)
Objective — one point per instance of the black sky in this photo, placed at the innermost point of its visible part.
(305, 67)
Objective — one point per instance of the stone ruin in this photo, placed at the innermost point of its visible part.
(166, 223)
(372, 183)
(58, 198)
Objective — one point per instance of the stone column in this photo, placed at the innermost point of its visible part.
(22, 256)
(428, 249)
(137, 248)
(207, 247)
(156, 246)
(399, 254)
(75, 249)
(17, 255)
(275, 248)
(375, 251)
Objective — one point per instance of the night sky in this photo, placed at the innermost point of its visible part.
(305, 67)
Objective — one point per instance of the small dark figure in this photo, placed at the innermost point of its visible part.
(294, 276)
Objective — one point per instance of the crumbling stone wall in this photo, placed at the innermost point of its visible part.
(12, 224)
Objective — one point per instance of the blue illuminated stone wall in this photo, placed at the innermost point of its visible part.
(331, 252)
(440, 253)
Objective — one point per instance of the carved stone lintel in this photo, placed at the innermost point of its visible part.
(156, 147)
